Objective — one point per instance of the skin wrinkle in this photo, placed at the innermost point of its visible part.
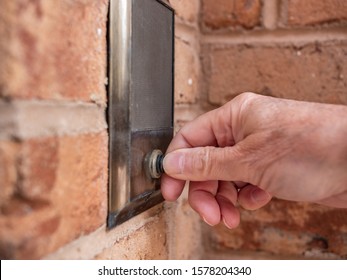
(186, 140)
(244, 100)
(203, 161)
(223, 135)
(181, 164)
(250, 161)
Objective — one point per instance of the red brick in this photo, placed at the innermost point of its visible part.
(221, 14)
(150, 242)
(314, 72)
(288, 229)
(53, 49)
(185, 231)
(8, 171)
(310, 12)
(60, 194)
(186, 10)
(186, 72)
(38, 168)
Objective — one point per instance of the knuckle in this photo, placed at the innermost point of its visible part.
(247, 96)
(247, 99)
(202, 162)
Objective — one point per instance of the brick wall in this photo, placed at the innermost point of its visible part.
(53, 137)
(54, 140)
(53, 130)
(293, 49)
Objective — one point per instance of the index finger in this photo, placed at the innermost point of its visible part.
(211, 129)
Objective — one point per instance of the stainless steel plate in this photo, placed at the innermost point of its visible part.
(141, 48)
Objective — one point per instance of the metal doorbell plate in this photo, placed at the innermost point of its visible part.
(141, 90)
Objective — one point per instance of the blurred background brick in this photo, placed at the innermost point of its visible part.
(53, 49)
(221, 14)
(314, 12)
(187, 11)
(58, 191)
(186, 73)
(288, 229)
(312, 72)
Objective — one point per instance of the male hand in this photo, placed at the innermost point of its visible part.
(255, 147)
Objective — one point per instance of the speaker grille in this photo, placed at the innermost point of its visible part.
(151, 101)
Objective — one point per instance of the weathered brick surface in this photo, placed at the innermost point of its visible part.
(147, 243)
(222, 14)
(56, 190)
(53, 49)
(37, 168)
(186, 72)
(314, 72)
(288, 229)
(311, 12)
(188, 11)
(186, 241)
(8, 171)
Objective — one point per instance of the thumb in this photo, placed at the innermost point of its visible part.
(205, 163)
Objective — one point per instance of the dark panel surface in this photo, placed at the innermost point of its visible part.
(152, 78)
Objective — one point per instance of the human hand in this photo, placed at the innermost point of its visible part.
(255, 147)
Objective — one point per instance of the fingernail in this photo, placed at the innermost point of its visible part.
(173, 163)
(226, 224)
(259, 195)
(207, 222)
